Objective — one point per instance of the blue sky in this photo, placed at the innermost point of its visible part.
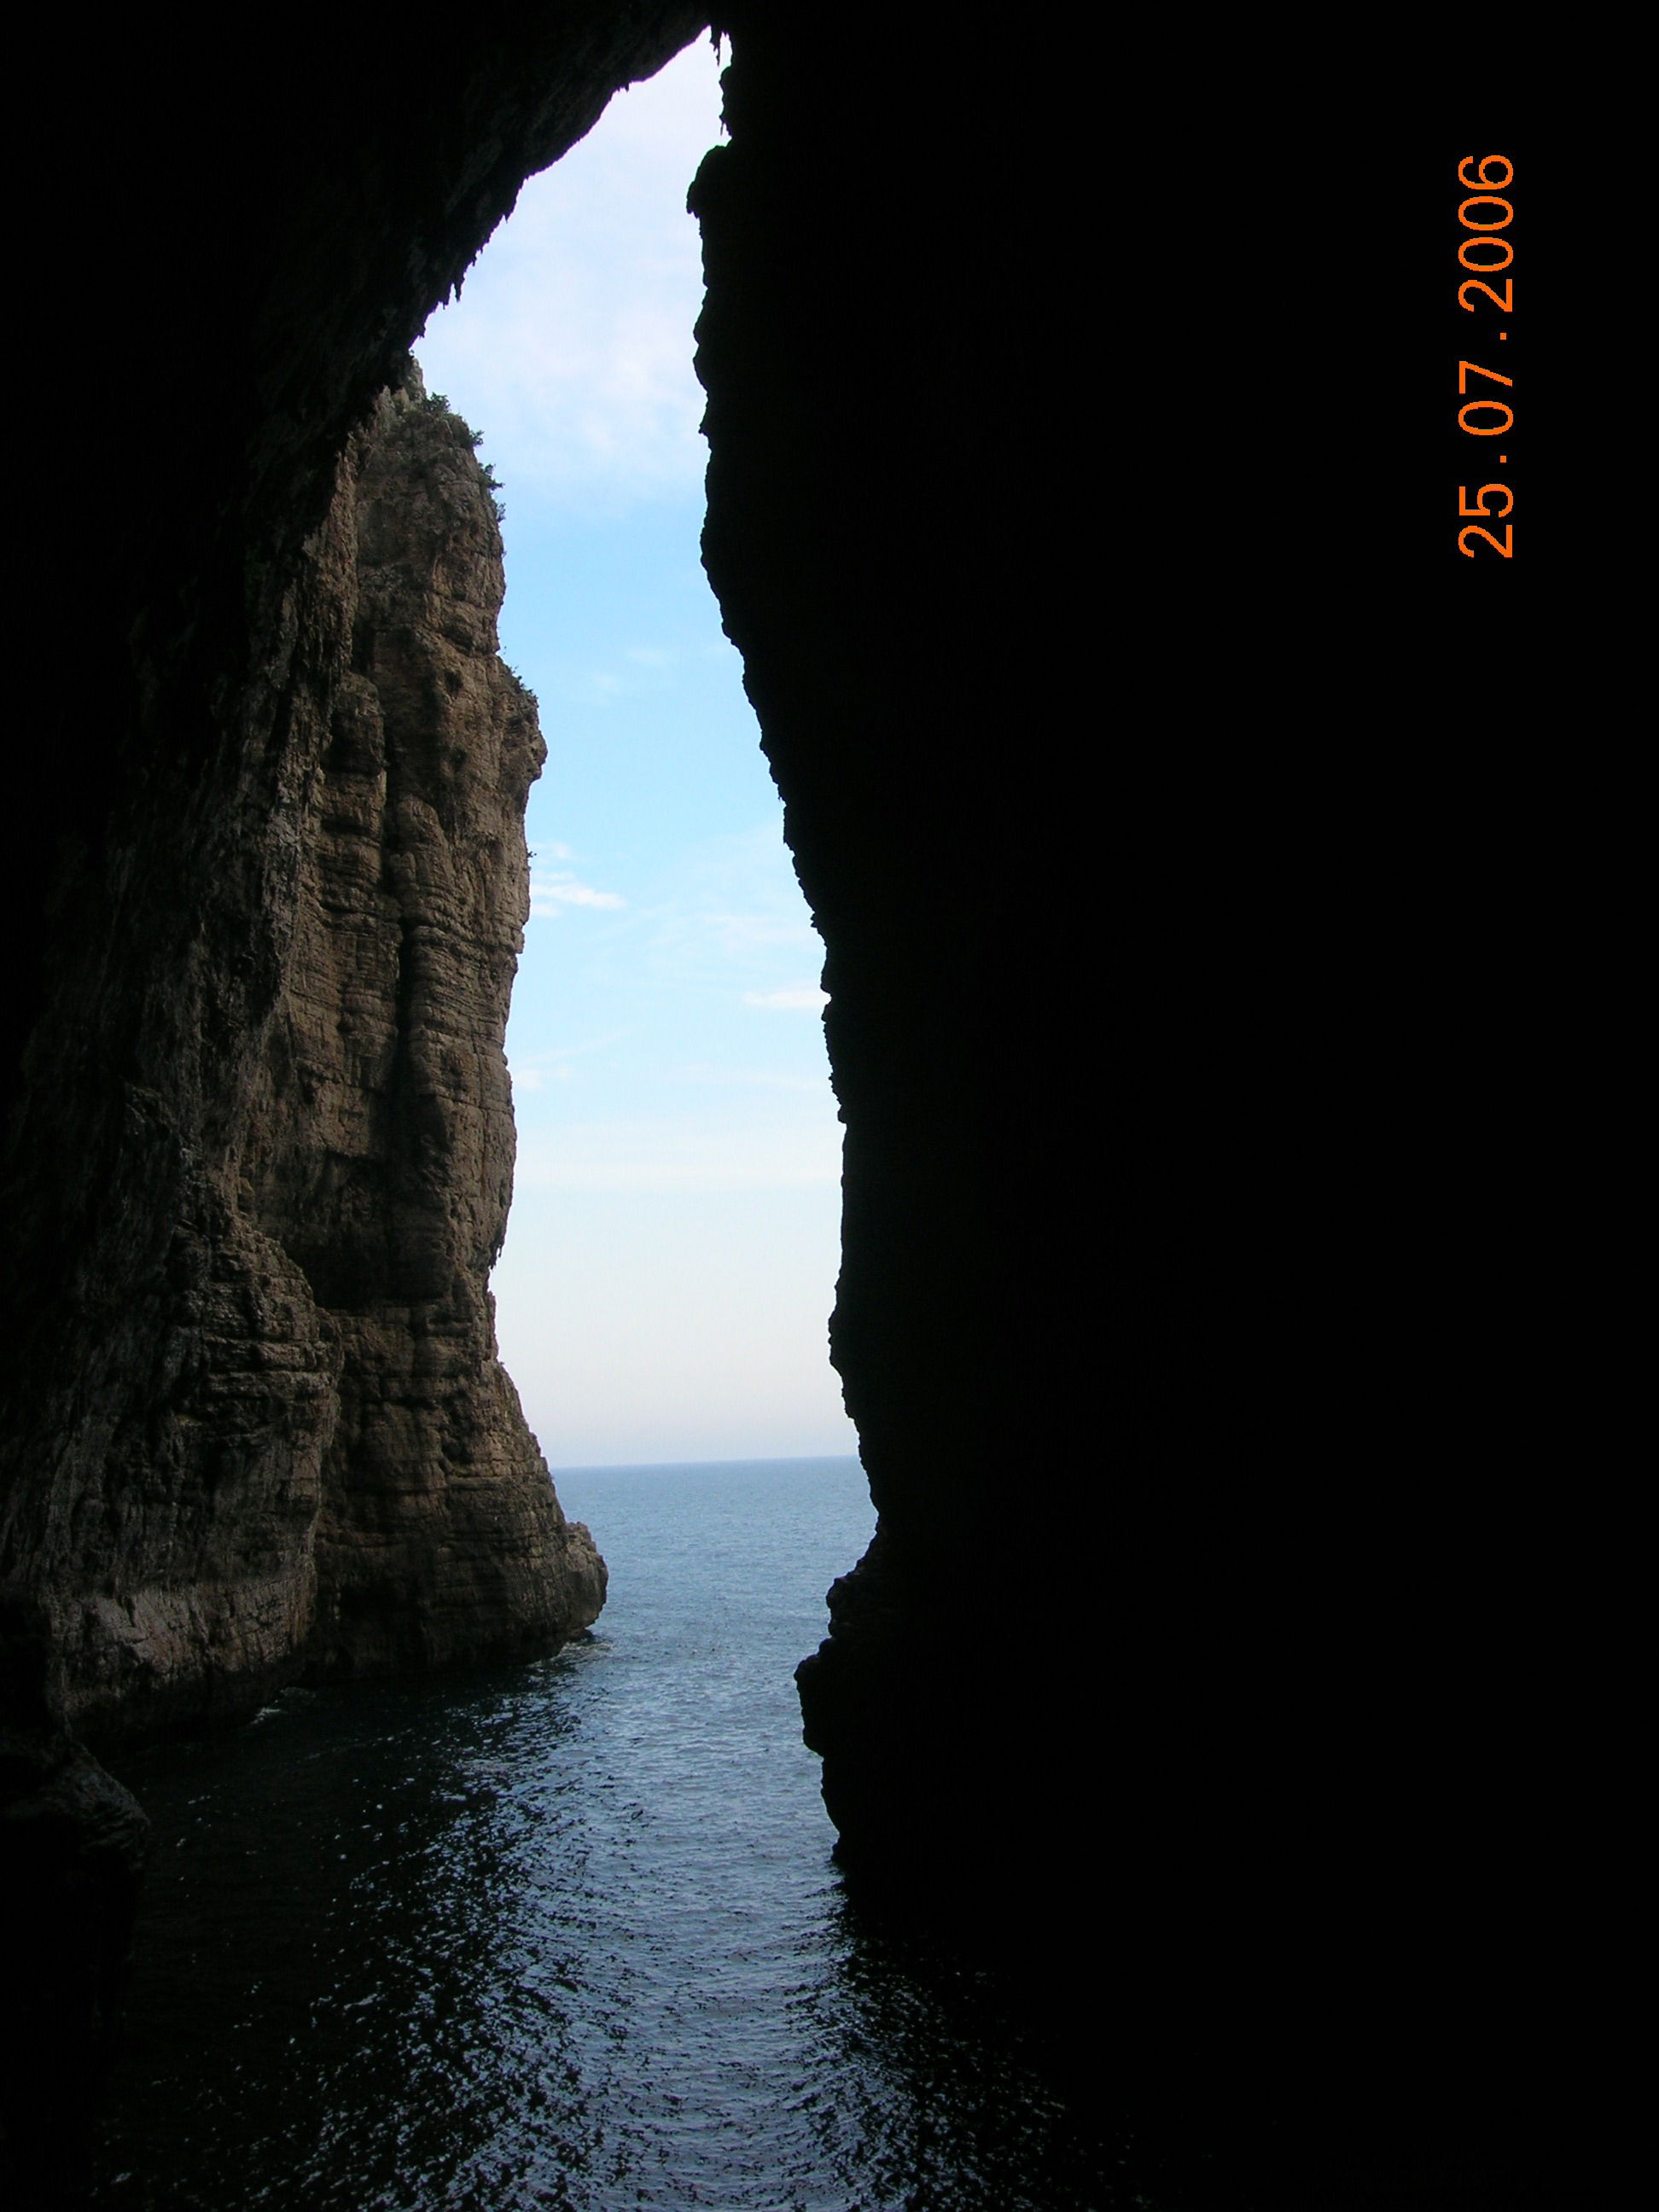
(671, 1255)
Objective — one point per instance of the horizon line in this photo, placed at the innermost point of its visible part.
(651, 1466)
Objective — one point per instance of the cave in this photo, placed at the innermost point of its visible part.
(1151, 1688)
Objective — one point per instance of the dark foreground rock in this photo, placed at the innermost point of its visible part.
(73, 1845)
(1179, 1134)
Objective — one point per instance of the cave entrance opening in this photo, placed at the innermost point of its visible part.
(671, 1252)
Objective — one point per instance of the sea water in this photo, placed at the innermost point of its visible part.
(569, 1935)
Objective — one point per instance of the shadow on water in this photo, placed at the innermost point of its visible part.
(570, 1935)
(417, 1948)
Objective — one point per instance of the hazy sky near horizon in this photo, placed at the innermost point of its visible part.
(671, 1254)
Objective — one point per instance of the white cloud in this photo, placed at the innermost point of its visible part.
(736, 936)
(800, 996)
(604, 687)
(757, 1078)
(550, 894)
(561, 1053)
(679, 1156)
(575, 353)
(739, 893)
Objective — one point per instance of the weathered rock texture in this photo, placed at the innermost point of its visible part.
(176, 1384)
(286, 1441)
(380, 1156)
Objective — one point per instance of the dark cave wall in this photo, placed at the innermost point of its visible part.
(1171, 1677)
(895, 560)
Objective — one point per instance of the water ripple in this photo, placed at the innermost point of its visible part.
(569, 1936)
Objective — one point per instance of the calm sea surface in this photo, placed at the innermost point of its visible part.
(568, 1935)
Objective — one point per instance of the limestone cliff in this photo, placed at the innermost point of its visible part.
(293, 1447)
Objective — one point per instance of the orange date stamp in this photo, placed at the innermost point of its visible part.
(1486, 252)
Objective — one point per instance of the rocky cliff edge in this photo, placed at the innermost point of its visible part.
(293, 1448)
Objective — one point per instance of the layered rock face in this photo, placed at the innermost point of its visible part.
(293, 1445)
(380, 1156)
(250, 1215)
